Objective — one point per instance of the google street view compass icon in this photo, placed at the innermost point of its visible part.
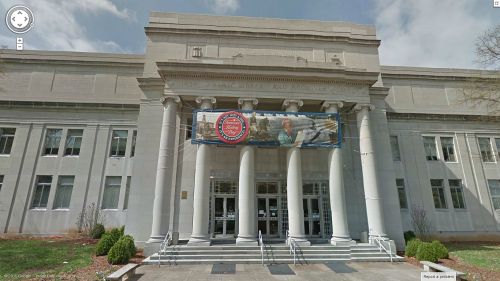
(19, 19)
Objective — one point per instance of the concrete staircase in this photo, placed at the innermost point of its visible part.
(273, 254)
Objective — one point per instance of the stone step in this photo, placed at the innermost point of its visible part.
(274, 251)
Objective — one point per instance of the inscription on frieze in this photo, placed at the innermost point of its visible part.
(264, 86)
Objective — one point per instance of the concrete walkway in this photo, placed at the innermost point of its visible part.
(351, 271)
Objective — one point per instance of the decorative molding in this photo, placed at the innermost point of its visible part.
(201, 100)
(289, 102)
(242, 101)
(326, 104)
(166, 98)
(441, 117)
(359, 106)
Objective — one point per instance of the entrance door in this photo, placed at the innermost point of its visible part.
(267, 216)
(312, 216)
(224, 216)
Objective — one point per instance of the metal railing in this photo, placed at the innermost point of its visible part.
(163, 246)
(379, 240)
(261, 244)
(292, 246)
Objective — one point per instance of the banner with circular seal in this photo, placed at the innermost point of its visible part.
(232, 127)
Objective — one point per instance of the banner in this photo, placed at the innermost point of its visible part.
(266, 128)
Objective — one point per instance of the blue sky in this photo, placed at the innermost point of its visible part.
(433, 33)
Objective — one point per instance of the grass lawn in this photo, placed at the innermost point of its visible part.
(486, 256)
(21, 256)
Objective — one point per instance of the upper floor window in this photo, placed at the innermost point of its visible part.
(6, 140)
(486, 149)
(494, 186)
(438, 194)
(73, 142)
(430, 148)
(52, 141)
(403, 202)
(396, 156)
(41, 193)
(448, 149)
(497, 141)
(118, 143)
(457, 194)
(63, 192)
(134, 138)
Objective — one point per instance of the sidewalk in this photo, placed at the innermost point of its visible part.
(351, 271)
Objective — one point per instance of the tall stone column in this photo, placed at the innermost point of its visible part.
(201, 197)
(374, 210)
(340, 230)
(294, 186)
(246, 191)
(164, 170)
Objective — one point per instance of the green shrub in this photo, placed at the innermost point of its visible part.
(412, 247)
(104, 244)
(129, 240)
(122, 230)
(97, 231)
(440, 249)
(116, 233)
(409, 235)
(119, 253)
(426, 252)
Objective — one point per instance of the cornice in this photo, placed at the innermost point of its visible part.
(151, 83)
(441, 117)
(264, 35)
(197, 69)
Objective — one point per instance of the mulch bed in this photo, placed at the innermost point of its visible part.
(473, 273)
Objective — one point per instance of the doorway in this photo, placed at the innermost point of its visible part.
(268, 216)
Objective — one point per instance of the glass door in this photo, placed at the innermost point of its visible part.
(312, 216)
(224, 216)
(267, 209)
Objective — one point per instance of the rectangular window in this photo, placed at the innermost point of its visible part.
(189, 128)
(111, 193)
(41, 193)
(127, 192)
(457, 194)
(1, 182)
(63, 192)
(118, 143)
(73, 142)
(403, 203)
(396, 156)
(438, 194)
(134, 138)
(497, 141)
(6, 140)
(430, 148)
(494, 186)
(52, 140)
(485, 148)
(448, 149)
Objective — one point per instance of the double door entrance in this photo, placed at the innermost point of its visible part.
(271, 210)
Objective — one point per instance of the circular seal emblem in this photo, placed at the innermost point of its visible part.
(19, 19)
(232, 127)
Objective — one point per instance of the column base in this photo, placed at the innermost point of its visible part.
(199, 241)
(337, 241)
(243, 241)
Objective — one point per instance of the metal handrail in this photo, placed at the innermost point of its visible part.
(381, 246)
(163, 246)
(261, 244)
(292, 244)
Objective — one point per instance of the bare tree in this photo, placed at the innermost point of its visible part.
(88, 218)
(484, 89)
(421, 223)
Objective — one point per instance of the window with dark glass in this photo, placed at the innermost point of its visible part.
(52, 141)
(396, 156)
(438, 194)
(134, 138)
(6, 140)
(457, 194)
(486, 150)
(403, 202)
(494, 186)
(41, 192)
(118, 143)
(1, 182)
(189, 128)
(63, 192)
(448, 149)
(73, 142)
(430, 148)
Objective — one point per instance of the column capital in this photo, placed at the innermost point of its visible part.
(360, 106)
(206, 102)
(247, 102)
(288, 103)
(330, 104)
(170, 98)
